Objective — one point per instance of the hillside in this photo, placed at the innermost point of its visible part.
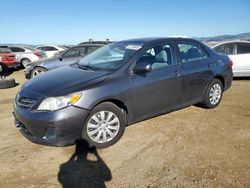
(242, 36)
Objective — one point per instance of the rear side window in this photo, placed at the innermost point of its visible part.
(190, 52)
(41, 48)
(227, 49)
(243, 48)
(16, 49)
(50, 48)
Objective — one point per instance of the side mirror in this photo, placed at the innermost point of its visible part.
(60, 57)
(142, 67)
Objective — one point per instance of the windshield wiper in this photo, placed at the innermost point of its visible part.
(85, 67)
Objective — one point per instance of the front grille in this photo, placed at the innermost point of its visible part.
(25, 102)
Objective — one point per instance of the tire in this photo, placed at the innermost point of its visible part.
(213, 94)
(3, 68)
(37, 71)
(24, 62)
(108, 134)
(7, 83)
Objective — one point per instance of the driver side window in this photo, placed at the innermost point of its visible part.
(75, 52)
(159, 56)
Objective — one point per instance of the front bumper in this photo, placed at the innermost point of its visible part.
(59, 128)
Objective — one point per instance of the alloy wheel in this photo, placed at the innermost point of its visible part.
(37, 72)
(215, 94)
(103, 126)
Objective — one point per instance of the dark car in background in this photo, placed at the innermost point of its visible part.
(64, 58)
(117, 85)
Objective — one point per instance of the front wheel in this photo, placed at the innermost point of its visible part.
(37, 71)
(213, 94)
(105, 125)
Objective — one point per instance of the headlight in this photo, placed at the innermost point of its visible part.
(56, 103)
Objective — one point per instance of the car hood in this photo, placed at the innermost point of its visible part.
(63, 81)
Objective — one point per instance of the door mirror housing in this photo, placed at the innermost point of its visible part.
(60, 57)
(142, 67)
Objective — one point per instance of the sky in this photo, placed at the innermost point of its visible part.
(74, 21)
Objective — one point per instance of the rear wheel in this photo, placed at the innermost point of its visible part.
(104, 126)
(213, 94)
(25, 62)
(37, 71)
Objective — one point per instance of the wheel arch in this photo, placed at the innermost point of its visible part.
(24, 59)
(118, 103)
(38, 66)
(222, 79)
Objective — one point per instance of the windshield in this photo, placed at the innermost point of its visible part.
(111, 57)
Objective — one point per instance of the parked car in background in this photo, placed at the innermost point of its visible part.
(117, 85)
(103, 42)
(50, 50)
(239, 53)
(26, 54)
(64, 58)
(7, 59)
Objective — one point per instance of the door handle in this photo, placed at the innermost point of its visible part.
(210, 65)
(177, 73)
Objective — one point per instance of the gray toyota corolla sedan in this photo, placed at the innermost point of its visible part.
(117, 85)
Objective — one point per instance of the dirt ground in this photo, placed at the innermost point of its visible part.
(192, 147)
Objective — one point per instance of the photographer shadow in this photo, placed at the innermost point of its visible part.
(79, 171)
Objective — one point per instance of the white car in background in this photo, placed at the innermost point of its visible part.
(239, 53)
(26, 54)
(51, 50)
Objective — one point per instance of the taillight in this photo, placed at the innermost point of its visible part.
(38, 54)
(231, 62)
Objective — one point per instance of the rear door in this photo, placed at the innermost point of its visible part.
(159, 89)
(196, 69)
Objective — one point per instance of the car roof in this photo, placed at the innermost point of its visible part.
(232, 41)
(84, 45)
(20, 46)
(96, 42)
(153, 39)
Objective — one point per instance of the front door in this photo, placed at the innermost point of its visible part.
(159, 89)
